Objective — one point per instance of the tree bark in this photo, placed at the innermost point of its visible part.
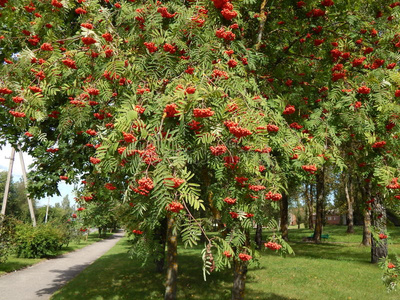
(284, 216)
(320, 178)
(239, 279)
(172, 262)
(365, 189)
(258, 238)
(348, 188)
(310, 204)
(160, 235)
(379, 248)
(366, 241)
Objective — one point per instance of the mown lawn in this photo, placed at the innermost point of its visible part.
(14, 263)
(321, 272)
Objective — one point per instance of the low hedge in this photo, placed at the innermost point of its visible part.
(36, 242)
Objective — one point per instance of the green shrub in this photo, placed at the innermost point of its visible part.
(41, 241)
(7, 231)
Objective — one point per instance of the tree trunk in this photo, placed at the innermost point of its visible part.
(348, 188)
(239, 279)
(284, 216)
(310, 204)
(160, 235)
(365, 189)
(258, 238)
(320, 178)
(366, 241)
(379, 248)
(172, 262)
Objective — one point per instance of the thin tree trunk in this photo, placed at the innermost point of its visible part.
(320, 178)
(239, 279)
(172, 262)
(365, 189)
(160, 235)
(366, 241)
(258, 238)
(284, 216)
(309, 202)
(348, 188)
(379, 248)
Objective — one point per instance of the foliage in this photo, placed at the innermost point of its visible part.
(7, 231)
(189, 111)
(41, 241)
(17, 204)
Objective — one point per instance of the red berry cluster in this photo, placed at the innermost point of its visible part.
(219, 74)
(164, 12)
(169, 48)
(272, 128)
(149, 155)
(239, 132)
(364, 90)
(177, 181)
(110, 186)
(129, 137)
(273, 196)
(295, 125)
(310, 168)
(226, 35)
(218, 150)
(190, 90)
(17, 114)
(64, 177)
(289, 109)
(394, 185)
(234, 215)
(256, 188)
(46, 47)
(244, 257)
(226, 8)
(88, 198)
(18, 99)
(227, 253)
(174, 207)
(52, 150)
(194, 125)
(136, 231)
(231, 161)
(171, 110)
(88, 40)
(273, 246)
(382, 236)
(94, 160)
(151, 47)
(91, 132)
(202, 112)
(69, 63)
(230, 200)
(145, 186)
(380, 144)
(5, 91)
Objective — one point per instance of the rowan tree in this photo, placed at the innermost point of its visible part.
(137, 98)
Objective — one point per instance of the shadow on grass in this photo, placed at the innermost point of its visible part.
(341, 252)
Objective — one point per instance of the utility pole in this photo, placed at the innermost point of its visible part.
(47, 210)
(26, 186)
(3, 208)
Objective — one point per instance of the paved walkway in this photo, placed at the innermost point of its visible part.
(43, 279)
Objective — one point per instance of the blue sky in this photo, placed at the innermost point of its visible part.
(5, 153)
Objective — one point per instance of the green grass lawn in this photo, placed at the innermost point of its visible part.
(321, 272)
(14, 263)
